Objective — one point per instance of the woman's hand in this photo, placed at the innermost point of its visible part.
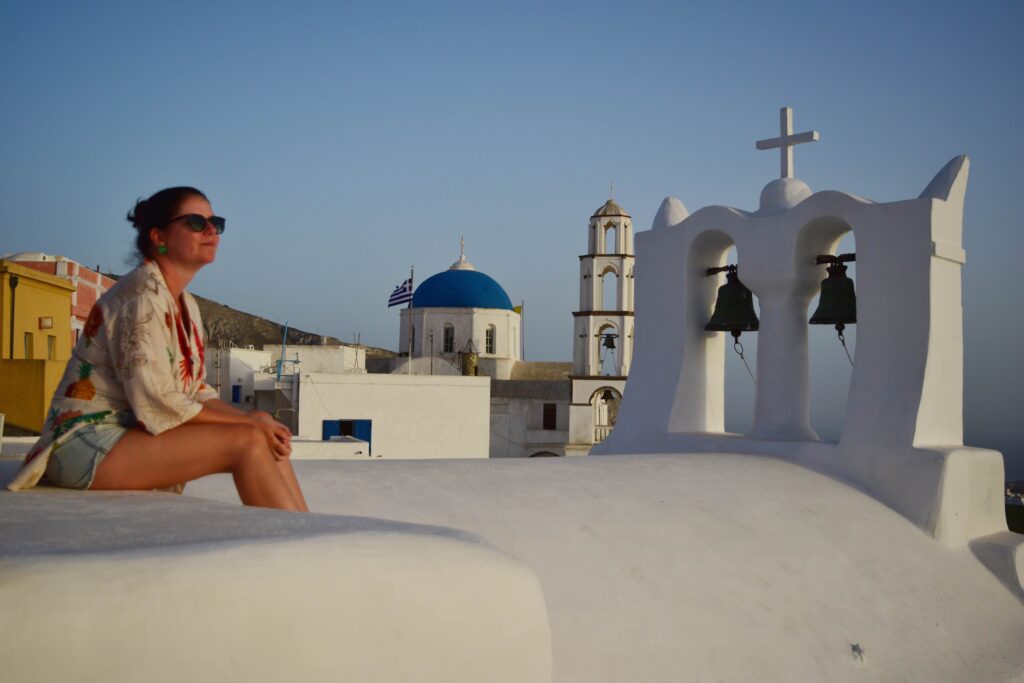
(279, 437)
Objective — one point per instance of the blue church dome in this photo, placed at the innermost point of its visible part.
(460, 288)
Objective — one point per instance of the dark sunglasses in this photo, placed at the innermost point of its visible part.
(198, 223)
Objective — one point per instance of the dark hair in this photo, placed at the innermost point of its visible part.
(156, 212)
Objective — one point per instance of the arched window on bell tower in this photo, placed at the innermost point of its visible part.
(610, 286)
(611, 234)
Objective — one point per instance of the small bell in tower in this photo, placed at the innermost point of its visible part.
(608, 343)
(734, 308)
(734, 311)
(837, 304)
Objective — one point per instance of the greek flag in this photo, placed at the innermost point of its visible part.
(402, 293)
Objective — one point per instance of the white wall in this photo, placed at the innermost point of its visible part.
(226, 367)
(414, 416)
(334, 359)
(496, 368)
(517, 427)
(469, 323)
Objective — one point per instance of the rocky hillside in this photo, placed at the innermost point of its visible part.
(229, 327)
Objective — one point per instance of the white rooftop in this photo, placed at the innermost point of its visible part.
(704, 567)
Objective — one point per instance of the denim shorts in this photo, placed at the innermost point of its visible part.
(73, 464)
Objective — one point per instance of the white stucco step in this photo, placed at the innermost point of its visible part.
(158, 587)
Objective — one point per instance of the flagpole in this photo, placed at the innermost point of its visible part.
(412, 270)
(522, 329)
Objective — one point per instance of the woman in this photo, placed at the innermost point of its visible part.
(132, 411)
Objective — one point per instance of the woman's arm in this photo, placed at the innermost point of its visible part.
(222, 407)
(216, 411)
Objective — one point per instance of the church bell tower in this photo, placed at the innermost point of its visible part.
(603, 325)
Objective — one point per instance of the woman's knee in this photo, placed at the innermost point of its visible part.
(249, 444)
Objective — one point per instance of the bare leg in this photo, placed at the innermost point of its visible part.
(285, 466)
(141, 461)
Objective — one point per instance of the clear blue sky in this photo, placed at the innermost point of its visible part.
(346, 142)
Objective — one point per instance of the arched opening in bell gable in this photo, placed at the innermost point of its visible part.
(722, 380)
(831, 365)
(740, 371)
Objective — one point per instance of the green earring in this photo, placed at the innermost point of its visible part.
(162, 249)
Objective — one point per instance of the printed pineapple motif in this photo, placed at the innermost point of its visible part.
(82, 389)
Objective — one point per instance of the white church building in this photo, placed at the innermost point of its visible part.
(462, 321)
(457, 313)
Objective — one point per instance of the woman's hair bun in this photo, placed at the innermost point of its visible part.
(137, 215)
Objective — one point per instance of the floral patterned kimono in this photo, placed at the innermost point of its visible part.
(137, 362)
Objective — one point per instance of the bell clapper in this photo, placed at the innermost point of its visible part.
(738, 348)
(842, 340)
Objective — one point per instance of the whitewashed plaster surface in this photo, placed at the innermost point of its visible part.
(713, 567)
(413, 416)
(469, 324)
(229, 367)
(609, 254)
(156, 587)
(332, 359)
(902, 438)
(517, 428)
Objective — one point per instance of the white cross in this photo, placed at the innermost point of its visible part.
(462, 248)
(786, 140)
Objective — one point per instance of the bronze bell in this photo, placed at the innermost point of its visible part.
(734, 308)
(609, 340)
(838, 302)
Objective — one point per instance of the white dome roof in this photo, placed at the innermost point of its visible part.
(782, 194)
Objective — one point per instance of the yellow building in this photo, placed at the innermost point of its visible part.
(35, 342)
